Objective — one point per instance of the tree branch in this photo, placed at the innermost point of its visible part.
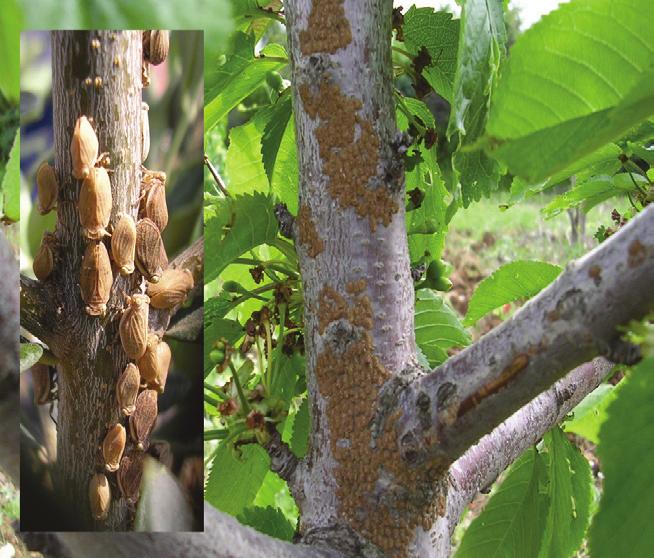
(223, 537)
(481, 464)
(283, 461)
(568, 323)
(192, 258)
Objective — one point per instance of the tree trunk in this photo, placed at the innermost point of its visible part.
(358, 292)
(97, 74)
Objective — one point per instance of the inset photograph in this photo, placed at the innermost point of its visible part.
(111, 280)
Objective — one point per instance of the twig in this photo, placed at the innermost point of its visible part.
(216, 176)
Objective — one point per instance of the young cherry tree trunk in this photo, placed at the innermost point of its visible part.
(358, 289)
(97, 74)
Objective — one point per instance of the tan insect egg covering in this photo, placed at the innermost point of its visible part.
(154, 364)
(129, 476)
(153, 205)
(99, 496)
(83, 148)
(95, 203)
(113, 447)
(96, 278)
(43, 263)
(47, 188)
(350, 382)
(150, 252)
(159, 44)
(133, 327)
(123, 244)
(328, 28)
(308, 234)
(171, 289)
(127, 388)
(142, 420)
(349, 148)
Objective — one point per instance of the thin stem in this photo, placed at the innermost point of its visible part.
(264, 376)
(402, 51)
(273, 58)
(217, 178)
(286, 248)
(216, 434)
(216, 391)
(261, 13)
(402, 105)
(270, 273)
(277, 265)
(211, 400)
(638, 186)
(239, 388)
(266, 325)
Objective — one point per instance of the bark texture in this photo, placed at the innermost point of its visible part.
(97, 74)
(569, 322)
(358, 292)
(224, 537)
(480, 465)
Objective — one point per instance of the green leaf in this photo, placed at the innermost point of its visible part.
(590, 414)
(603, 161)
(274, 132)
(511, 524)
(249, 15)
(481, 48)
(437, 327)
(240, 75)
(513, 281)
(427, 224)
(249, 222)
(569, 488)
(234, 481)
(578, 79)
(269, 520)
(478, 174)
(280, 154)
(274, 492)
(301, 426)
(622, 526)
(417, 109)
(11, 183)
(439, 34)
(244, 168)
(286, 371)
(590, 193)
(11, 23)
(30, 353)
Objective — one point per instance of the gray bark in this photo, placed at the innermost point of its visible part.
(569, 322)
(481, 464)
(224, 537)
(352, 242)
